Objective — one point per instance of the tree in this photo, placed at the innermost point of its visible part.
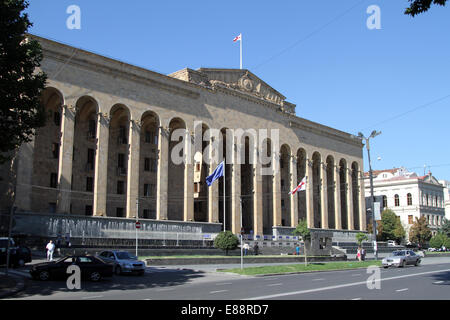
(226, 240)
(303, 231)
(419, 232)
(445, 228)
(360, 237)
(21, 111)
(419, 6)
(390, 227)
(438, 240)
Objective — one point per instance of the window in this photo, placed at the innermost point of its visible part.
(146, 190)
(384, 202)
(92, 129)
(89, 184)
(57, 118)
(146, 213)
(147, 164)
(410, 219)
(151, 137)
(122, 135)
(91, 159)
(88, 210)
(282, 205)
(153, 165)
(52, 207)
(196, 187)
(120, 187)
(55, 150)
(119, 212)
(53, 180)
(121, 160)
(409, 199)
(397, 200)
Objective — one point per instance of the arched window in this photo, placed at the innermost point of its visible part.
(397, 200)
(384, 202)
(409, 199)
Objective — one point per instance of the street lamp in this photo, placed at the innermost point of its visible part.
(374, 224)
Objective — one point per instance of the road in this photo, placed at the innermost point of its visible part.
(431, 280)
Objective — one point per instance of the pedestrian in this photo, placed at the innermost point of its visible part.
(67, 240)
(297, 250)
(246, 247)
(358, 254)
(50, 249)
(363, 254)
(256, 249)
(58, 245)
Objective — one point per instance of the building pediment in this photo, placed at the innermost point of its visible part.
(236, 79)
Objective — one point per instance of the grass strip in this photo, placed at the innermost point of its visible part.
(315, 266)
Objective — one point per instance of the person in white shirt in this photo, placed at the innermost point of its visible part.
(50, 249)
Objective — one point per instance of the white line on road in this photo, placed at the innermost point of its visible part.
(166, 289)
(218, 291)
(223, 284)
(356, 275)
(356, 299)
(274, 284)
(92, 297)
(400, 290)
(320, 279)
(340, 286)
(438, 282)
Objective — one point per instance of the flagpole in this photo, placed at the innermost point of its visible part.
(241, 50)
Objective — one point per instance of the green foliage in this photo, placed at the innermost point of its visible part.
(302, 230)
(226, 240)
(438, 240)
(445, 228)
(390, 227)
(360, 237)
(419, 232)
(21, 86)
(419, 6)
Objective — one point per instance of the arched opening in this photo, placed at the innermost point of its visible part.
(84, 151)
(201, 189)
(330, 192)
(118, 153)
(301, 172)
(247, 185)
(175, 193)
(226, 153)
(47, 143)
(285, 180)
(343, 187)
(148, 164)
(317, 190)
(267, 187)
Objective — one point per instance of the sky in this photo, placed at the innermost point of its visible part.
(321, 55)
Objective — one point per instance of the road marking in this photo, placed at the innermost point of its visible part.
(400, 290)
(218, 291)
(339, 286)
(274, 284)
(320, 279)
(223, 284)
(356, 299)
(356, 275)
(165, 289)
(268, 279)
(92, 297)
(438, 282)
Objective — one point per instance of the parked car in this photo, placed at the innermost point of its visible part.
(21, 257)
(391, 243)
(18, 255)
(123, 262)
(91, 267)
(401, 258)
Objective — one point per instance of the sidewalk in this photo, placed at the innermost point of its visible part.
(10, 284)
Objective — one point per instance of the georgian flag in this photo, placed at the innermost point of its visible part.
(301, 186)
(238, 38)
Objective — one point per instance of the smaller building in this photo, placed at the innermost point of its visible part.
(410, 196)
(446, 184)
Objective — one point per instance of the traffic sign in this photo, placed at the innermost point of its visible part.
(138, 225)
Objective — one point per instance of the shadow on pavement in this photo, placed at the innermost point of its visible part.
(443, 276)
(153, 278)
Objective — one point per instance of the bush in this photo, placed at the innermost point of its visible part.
(226, 240)
(439, 240)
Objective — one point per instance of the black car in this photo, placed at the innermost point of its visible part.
(22, 255)
(91, 267)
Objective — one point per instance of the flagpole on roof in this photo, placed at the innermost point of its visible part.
(241, 50)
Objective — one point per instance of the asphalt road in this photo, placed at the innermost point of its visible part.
(431, 280)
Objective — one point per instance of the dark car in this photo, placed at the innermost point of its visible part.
(18, 255)
(22, 255)
(91, 267)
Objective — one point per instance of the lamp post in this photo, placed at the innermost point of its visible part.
(374, 224)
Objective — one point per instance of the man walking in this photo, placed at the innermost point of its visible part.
(50, 249)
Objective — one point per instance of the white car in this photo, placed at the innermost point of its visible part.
(123, 262)
(401, 258)
(391, 243)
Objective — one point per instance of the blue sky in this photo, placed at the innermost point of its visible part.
(319, 54)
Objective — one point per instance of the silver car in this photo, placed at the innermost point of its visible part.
(123, 262)
(401, 258)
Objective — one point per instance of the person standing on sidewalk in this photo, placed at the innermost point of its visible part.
(50, 249)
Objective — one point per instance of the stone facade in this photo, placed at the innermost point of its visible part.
(107, 149)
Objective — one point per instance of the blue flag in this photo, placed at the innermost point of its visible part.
(216, 174)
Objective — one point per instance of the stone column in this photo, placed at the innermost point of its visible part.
(24, 176)
(309, 194)
(276, 188)
(257, 195)
(362, 203)
(337, 200)
(235, 191)
(101, 165)
(188, 177)
(133, 169)
(294, 198)
(65, 159)
(350, 218)
(163, 173)
(213, 190)
(323, 195)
